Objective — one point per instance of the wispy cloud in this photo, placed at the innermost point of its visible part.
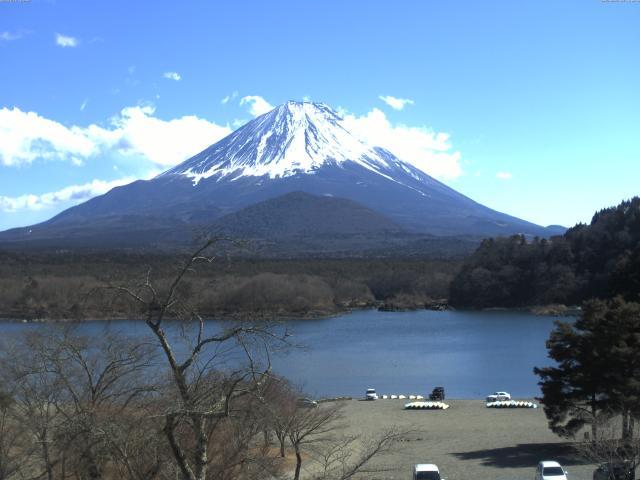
(229, 97)
(10, 36)
(66, 41)
(26, 137)
(172, 76)
(257, 105)
(427, 150)
(73, 193)
(504, 175)
(83, 105)
(396, 103)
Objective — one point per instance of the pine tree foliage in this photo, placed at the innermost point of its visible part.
(597, 369)
(600, 260)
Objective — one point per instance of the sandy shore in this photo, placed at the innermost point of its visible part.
(467, 441)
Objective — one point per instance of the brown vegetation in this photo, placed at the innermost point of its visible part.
(65, 285)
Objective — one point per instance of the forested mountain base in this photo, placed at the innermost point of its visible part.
(600, 260)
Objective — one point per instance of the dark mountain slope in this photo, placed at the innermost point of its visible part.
(302, 214)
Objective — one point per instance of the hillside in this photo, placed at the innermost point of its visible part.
(599, 260)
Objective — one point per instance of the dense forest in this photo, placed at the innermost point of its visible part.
(599, 260)
(71, 285)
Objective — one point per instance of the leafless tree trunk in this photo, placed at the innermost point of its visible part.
(199, 404)
(342, 459)
(278, 409)
(309, 426)
(316, 431)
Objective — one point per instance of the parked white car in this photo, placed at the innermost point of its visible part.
(426, 471)
(498, 397)
(306, 403)
(371, 394)
(550, 470)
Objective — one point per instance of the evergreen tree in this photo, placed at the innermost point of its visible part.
(600, 260)
(597, 369)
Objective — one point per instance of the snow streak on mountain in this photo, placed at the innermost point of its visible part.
(291, 139)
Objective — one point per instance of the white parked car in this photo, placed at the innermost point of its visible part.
(426, 471)
(306, 403)
(498, 397)
(550, 470)
(371, 394)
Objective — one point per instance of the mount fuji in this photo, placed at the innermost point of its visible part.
(295, 171)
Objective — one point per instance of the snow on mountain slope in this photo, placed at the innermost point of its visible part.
(294, 138)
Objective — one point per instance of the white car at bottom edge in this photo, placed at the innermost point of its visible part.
(426, 471)
(550, 470)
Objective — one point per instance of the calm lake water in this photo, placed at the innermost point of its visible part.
(471, 354)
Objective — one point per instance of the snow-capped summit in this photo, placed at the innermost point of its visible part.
(294, 138)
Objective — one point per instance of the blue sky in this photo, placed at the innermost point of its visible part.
(532, 107)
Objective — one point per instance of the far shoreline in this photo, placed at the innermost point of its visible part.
(551, 310)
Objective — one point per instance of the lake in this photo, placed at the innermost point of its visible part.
(471, 354)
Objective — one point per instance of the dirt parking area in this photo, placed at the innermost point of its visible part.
(467, 441)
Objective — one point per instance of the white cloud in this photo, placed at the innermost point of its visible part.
(26, 137)
(427, 150)
(257, 105)
(10, 36)
(165, 143)
(396, 103)
(73, 193)
(504, 175)
(229, 97)
(172, 76)
(136, 132)
(66, 41)
(83, 105)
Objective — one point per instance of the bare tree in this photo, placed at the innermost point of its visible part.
(278, 410)
(310, 426)
(36, 393)
(78, 399)
(315, 433)
(14, 449)
(207, 377)
(614, 445)
(101, 385)
(344, 458)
